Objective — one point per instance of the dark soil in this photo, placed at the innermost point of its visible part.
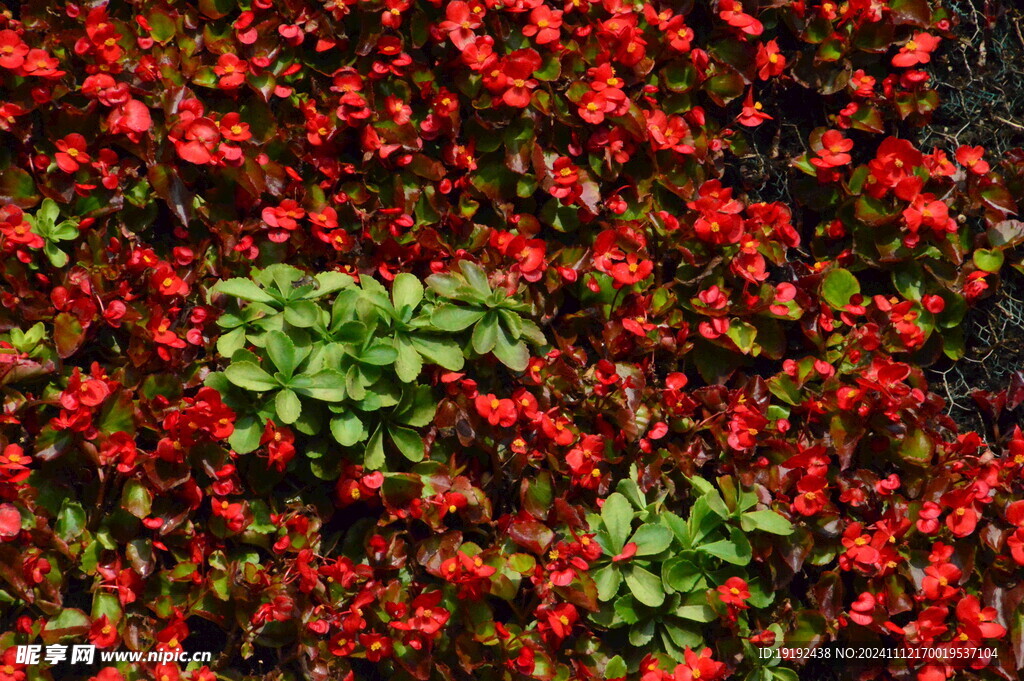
(980, 80)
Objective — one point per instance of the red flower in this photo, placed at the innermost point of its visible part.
(544, 24)
(131, 118)
(377, 646)
(428, 616)
(14, 463)
(16, 229)
(680, 36)
(698, 667)
(627, 552)
(460, 21)
(972, 159)
(283, 219)
(231, 70)
(832, 153)
(558, 620)
(752, 114)
(770, 62)
(977, 623)
(731, 11)
(594, 105)
(232, 513)
(631, 271)
(167, 282)
(102, 633)
(232, 128)
(518, 68)
(812, 495)
(498, 412)
(10, 523)
(917, 50)
(279, 443)
(734, 593)
(40, 63)
(939, 583)
(71, 153)
(893, 168)
(862, 610)
(12, 49)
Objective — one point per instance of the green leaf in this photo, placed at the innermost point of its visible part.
(838, 287)
(455, 318)
(651, 539)
(641, 632)
(230, 342)
(70, 622)
(244, 289)
(445, 285)
(917, 447)
(288, 406)
(742, 334)
(406, 291)
(408, 363)
(617, 514)
(249, 376)
(302, 313)
(57, 257)
(443, 352)
(735, 549)
(65, 231)
(381, 353)
(616, 668)
(514, 355)
(327, 385)
(348, 429)
(17, 187)
(330, 282)
(136, 499)
(416, 408)
(374, 459)
(485, 334)
(246, 436)
(408, 442)
(680, 574)
(282, 352)
(476, 277)
(988, 260)
(784, 674)
(696, 613)
(607, 580)
(70, 521)
(766, 521)
(644, 586)
(48, 213)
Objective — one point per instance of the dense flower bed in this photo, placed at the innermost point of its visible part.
(503, 340)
